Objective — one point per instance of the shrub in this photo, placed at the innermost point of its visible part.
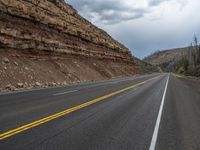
(183, 63)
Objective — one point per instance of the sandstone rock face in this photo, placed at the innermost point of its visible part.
(47, 43)
(53, 25)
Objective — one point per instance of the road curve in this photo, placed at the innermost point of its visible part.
(111, 115)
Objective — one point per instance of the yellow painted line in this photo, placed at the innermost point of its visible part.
(67, 111)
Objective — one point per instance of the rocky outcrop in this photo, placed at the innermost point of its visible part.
(52, 25)
(50, 30)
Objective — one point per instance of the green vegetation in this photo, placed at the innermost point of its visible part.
(147, 68)
(189, 63)
(182, 65)
(180, 60)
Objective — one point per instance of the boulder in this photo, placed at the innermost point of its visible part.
(6, 60)
(10, 87)
(53, 84)
(20, 85)
(26, 68)
(38, 84)
(15, 63)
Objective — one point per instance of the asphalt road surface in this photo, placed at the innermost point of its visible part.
(149, 112)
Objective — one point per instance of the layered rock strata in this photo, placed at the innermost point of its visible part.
(51, 28)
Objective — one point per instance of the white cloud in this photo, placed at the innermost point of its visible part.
(145, 25)
(115, 11)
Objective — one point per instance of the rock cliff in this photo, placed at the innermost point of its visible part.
(48, 36)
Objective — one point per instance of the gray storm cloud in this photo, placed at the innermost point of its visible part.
(144, 25)
(112, 11)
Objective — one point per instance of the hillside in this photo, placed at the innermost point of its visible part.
(166, 59)
(146, 67)
(47, 43)
(182, 60)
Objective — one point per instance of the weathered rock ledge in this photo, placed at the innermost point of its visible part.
(54, 26)
(47, 36)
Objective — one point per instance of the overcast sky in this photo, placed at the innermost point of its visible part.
(144, 26)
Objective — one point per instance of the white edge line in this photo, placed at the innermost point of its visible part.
(65, 92)
(156, 129)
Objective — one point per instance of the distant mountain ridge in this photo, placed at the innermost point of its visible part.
(181, 60)
(166, 59)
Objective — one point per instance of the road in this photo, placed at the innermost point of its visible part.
(148, 112)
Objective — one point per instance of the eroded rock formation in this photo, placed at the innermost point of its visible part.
(52, 28)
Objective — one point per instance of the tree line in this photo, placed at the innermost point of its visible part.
(189, 63)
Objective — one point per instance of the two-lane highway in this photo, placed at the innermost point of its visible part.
(138, 113)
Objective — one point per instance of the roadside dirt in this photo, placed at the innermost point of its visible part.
(20, 69)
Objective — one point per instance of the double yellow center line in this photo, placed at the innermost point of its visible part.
(67, 111)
